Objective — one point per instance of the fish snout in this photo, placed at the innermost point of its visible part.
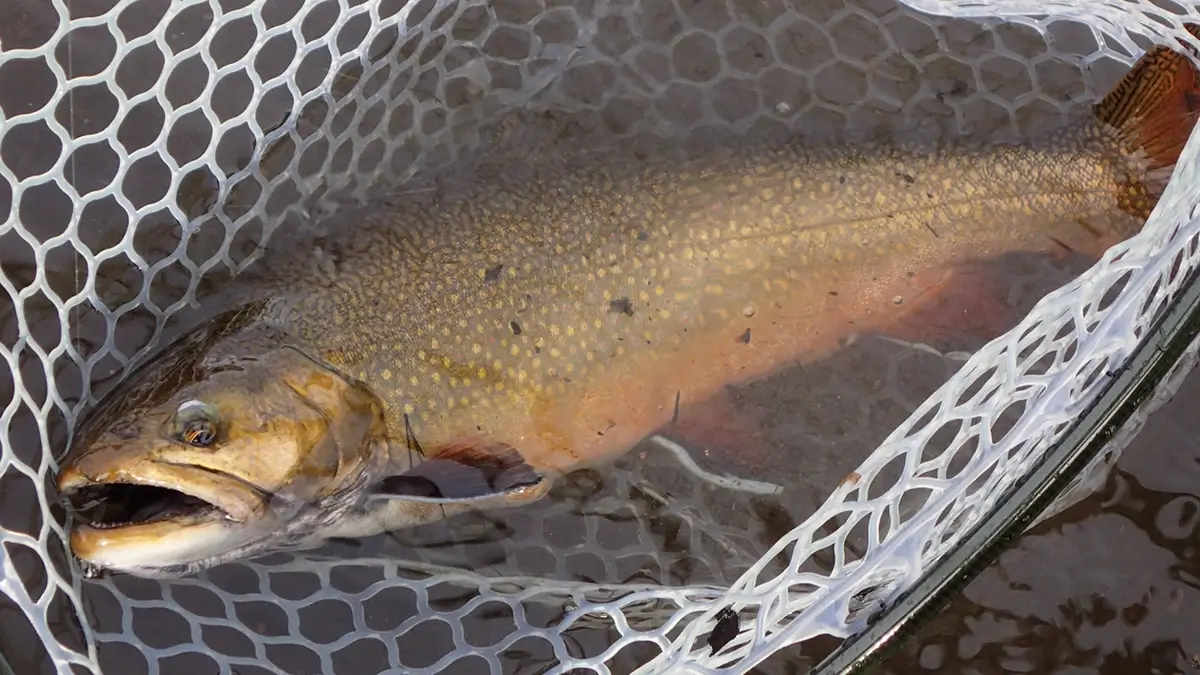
(71, 478)
(92, 464)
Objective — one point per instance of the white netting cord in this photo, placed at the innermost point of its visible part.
(370, 93)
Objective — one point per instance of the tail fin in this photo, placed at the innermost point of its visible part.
(1153, 108)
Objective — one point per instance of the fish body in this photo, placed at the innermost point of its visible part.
(457, 350)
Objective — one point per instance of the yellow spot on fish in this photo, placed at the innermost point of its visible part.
(386, 374)
(437, 377)
(414, 381)
(409, 409)
(476, 348)
(714, 289)
(515, 351)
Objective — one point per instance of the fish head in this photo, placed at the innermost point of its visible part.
(215, 450)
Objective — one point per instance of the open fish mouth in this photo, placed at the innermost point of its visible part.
(153, 516)
(150, 493)
(109, 506)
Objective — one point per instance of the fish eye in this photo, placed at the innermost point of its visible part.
(196, 424)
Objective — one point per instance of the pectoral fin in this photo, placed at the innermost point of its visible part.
(465, 473)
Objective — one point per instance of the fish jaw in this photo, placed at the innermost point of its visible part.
(178, 543)
(234, 498)
(193, 532)
(157, 515)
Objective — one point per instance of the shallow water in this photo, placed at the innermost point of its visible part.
(1112, 585)
(1103, 586)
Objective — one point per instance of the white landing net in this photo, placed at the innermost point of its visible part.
(148, 146)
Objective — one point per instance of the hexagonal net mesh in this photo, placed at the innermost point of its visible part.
(149, 148)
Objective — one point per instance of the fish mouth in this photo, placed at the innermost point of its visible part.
(110, 506)
(157, 491)
(148, 515)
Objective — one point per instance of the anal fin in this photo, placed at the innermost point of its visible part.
(466, 472)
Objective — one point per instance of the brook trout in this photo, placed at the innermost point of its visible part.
(459, 351)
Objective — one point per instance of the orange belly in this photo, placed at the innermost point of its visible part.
(621, 406)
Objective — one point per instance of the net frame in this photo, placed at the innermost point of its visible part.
(1150, 268)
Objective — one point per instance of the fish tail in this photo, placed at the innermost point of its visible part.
(1153, 109)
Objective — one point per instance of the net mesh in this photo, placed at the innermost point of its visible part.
(148, 149)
